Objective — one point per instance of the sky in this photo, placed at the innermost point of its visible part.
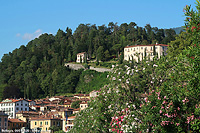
(23, 20)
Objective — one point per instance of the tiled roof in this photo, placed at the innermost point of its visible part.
(16, 120)
(77, 109)
(81, 53)
(71, 117)
(67, 103)
(27, 112)
(83, 103)
(45, 117)
(146, 45)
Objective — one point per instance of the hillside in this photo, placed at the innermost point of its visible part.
(37, 69)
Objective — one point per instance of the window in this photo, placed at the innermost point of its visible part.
(5, 119)
(54, 123)
(35, 123)
(21, 108)
(26, 105)
(58, 124)
(0, 119)
(46, 128)
(40, 123)
(25, 109)
(17, 104)
(141, 47)
(46, 123)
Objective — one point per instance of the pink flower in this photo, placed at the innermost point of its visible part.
(160, 111)
(177, 124)
(164, 97)
(159, 98)
(162, 107)
(146, 99)
(164, 102)
(178, 108)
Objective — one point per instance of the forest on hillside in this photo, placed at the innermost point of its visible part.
(37, 69)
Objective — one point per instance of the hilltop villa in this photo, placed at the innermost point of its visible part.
(138, 51)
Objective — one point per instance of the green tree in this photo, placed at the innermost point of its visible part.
(100, 53)
(75, 104)
(117, 48)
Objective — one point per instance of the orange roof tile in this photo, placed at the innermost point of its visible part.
(16, 120)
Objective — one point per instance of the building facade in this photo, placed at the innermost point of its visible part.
(137, 52)
(14, 124)
(81, 57)
(68, 124)
(3, 121)
(44, 123)
(12, 106)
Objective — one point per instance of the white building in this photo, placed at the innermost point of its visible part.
(69, 124)
(81, 57)
(12, 106)
(138, 51)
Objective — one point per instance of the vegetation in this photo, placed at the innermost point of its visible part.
(76, 104)
(37, 69)
(91, 80)
(151, 96)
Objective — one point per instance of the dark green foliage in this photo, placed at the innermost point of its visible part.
(76, 104)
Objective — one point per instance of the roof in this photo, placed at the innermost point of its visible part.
(27, 112)
(13, 100)
(81, 53)
(83, 102)
(77, 109)
(67, 103)
(72, 117)
(147, 45)
(16, 120)
(45, 117)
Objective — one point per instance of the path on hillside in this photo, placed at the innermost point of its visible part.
(80, 66)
